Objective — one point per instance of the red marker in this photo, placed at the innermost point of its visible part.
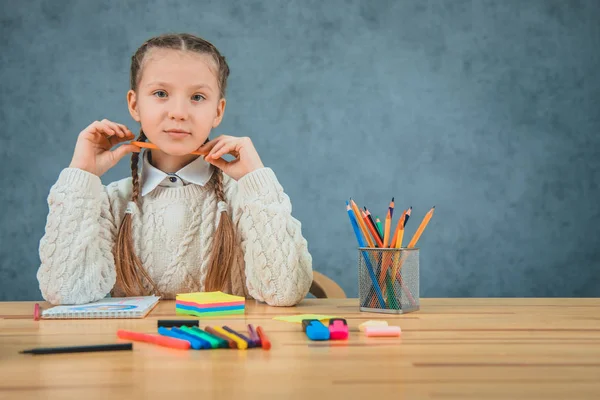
(264, 340)
(154, 339)
(36, 312)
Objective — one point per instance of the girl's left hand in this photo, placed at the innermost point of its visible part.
(246, 158)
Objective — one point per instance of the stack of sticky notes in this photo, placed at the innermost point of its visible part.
(208, 304)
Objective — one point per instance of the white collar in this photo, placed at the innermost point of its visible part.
(197, 172)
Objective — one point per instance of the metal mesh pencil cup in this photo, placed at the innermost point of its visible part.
(388, 280)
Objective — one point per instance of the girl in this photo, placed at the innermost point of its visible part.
(187, 223)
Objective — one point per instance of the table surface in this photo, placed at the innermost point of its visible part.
(450, 349)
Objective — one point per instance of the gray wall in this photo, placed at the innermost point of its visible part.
(487, 109)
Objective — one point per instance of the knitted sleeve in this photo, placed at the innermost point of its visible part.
(278, 264)
(76, 251)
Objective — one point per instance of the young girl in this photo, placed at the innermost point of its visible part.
(187, 223)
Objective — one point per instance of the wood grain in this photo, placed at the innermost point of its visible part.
(450, 349)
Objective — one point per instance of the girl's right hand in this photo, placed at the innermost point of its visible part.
(93, 149)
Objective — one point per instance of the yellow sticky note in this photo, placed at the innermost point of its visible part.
(298, 318)
(209, 297)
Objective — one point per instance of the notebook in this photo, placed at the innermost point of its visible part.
(115, 307)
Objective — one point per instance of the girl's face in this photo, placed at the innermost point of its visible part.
(177, 101)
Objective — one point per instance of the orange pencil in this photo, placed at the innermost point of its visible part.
(148, 145)
(400, 224)
(371, 229)
(419, 231)
(361, 224)
(386, 232)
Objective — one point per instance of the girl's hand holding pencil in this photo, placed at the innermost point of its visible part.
(246, 158)
(93, 149)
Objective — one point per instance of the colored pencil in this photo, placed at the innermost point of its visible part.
(386, 233)
(361, 224)
(379, 227)
(421, 228)
(361, 243)
(372, 229)
(407, 215)
(373, 223)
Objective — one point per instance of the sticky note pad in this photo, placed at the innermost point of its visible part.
(298, 318)
(209, 304)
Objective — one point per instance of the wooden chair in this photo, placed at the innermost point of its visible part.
(325, 288)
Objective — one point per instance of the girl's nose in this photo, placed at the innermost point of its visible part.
(178, 112)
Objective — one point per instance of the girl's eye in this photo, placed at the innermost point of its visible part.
(161, 94)
(197, 97)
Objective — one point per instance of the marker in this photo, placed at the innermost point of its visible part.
(202, 344)
(169, 323)
(241, 343)
(315, 330)
(230, 342)
(254, 336)
(338, 329)
(154, 339)
(264, 340)
(36, 312)
(80, 349)
(243, 337)
(214, 341)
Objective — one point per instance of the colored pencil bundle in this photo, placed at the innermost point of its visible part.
(371, 234)
(207, 304)
(374, 235)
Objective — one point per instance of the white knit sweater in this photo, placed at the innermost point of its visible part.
(173, 236)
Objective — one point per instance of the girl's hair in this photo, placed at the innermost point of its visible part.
(130, 272)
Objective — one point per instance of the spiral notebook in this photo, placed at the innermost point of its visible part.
(115, 307)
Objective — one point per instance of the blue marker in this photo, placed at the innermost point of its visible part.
(315, 330)
(196, 345)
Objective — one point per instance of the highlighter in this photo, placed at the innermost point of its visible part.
(315, 330)
(338, 329)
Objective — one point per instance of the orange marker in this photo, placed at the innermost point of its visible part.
(148, 145)
(264, 340)
(154, 339)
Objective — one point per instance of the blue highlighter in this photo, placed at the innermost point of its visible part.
(315, 330)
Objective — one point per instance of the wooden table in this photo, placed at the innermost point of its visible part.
(450, 349)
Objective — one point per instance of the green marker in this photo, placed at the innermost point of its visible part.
(215, 342)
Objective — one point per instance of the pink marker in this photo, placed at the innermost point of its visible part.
(338, 329)
(382, 331)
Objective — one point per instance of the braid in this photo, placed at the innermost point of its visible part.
(135, 157)
(128, 265)
(221, 258)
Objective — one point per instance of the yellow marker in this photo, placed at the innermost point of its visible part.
(241, 344)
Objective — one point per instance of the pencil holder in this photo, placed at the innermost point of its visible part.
(388, 280)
